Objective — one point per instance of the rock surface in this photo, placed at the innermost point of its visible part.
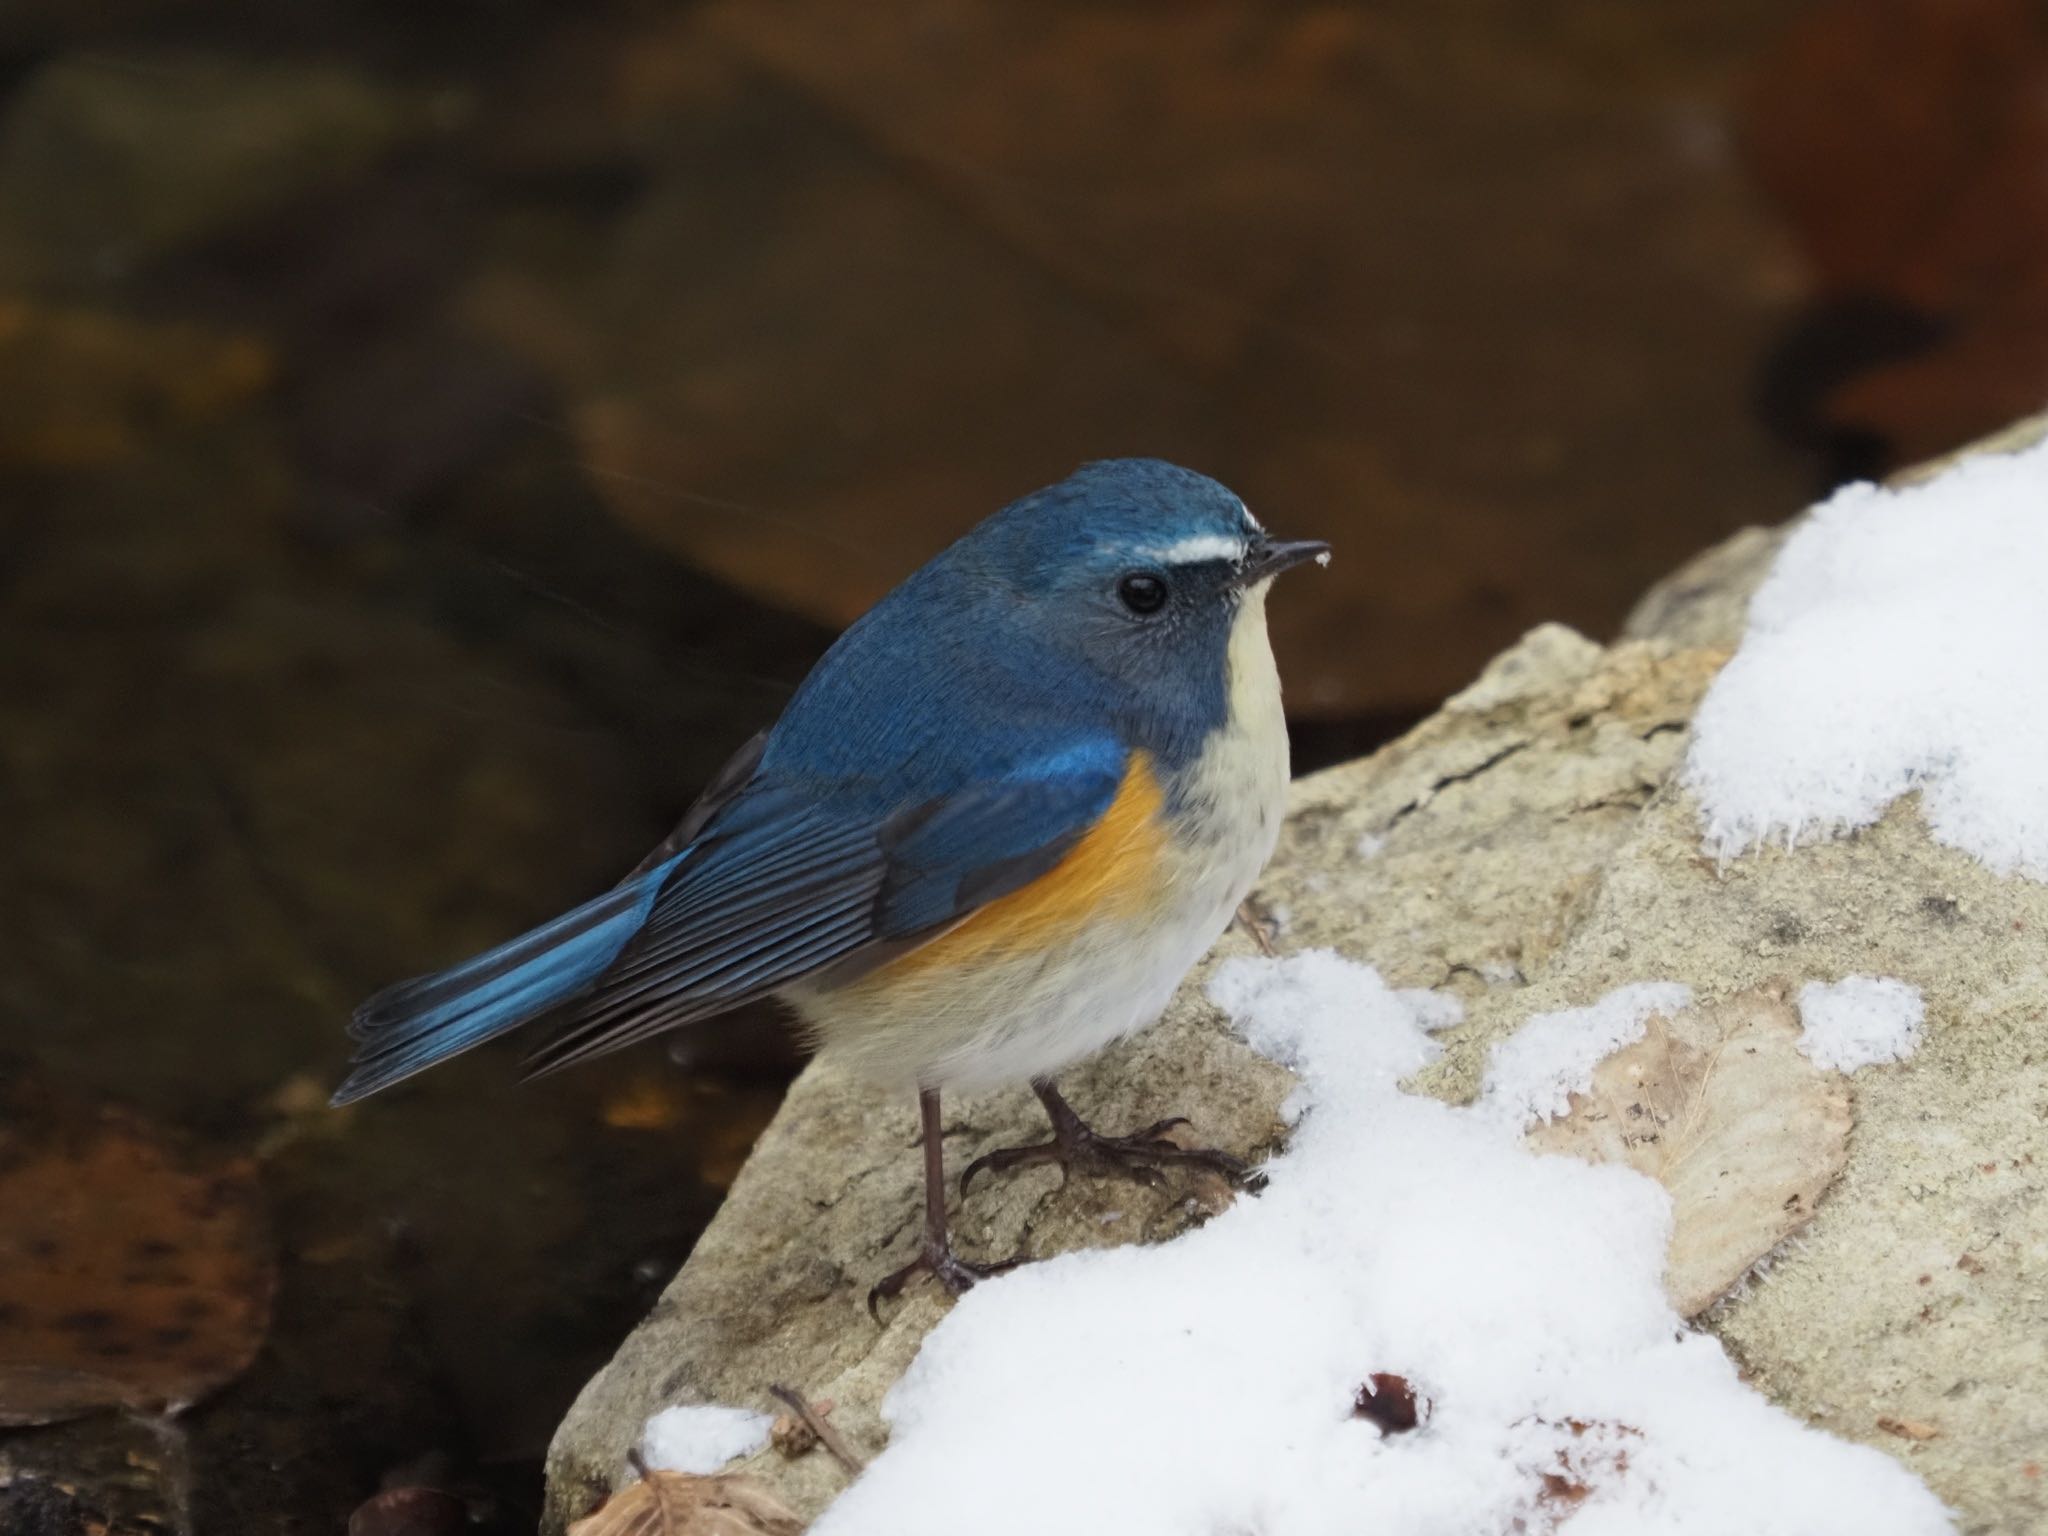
(1528, 849)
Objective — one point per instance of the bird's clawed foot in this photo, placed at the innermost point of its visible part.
(1141, 1156)
(943, 1265)
(1075, 1144)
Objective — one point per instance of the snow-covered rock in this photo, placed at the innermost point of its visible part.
(1534, 850)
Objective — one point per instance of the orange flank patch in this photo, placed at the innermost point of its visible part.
(1113, 871)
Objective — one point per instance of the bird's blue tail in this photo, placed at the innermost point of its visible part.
(407, 1028)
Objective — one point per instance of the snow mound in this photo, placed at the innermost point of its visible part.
(1211, 1386)
(1859, 1021)
(1896, 645)
(701, 1437)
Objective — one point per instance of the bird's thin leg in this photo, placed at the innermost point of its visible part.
(1075, 1144)
(935, 1257)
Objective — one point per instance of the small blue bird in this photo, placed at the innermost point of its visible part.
(999, 821)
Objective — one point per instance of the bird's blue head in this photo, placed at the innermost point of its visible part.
(1143, 572)
(1130, 596)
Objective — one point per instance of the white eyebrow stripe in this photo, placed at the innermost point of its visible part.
(1206, 546)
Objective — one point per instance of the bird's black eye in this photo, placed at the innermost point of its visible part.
(1142, 592)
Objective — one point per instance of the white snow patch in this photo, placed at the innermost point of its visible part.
(1896, 645)
(1372, 845)
(1531, 1075)
(701, 1437)
(1431, 1011)
(1859, 1021)
(1204, 1387)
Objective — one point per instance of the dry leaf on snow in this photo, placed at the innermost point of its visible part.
(1586, 1455)
(678, 1504)
(132, 1274)
(1718, 1105)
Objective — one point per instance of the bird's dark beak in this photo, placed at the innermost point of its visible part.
(1269, 557)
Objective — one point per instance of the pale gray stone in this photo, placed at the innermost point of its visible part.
(1528, 848)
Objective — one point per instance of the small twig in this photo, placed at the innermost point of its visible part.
(816, 1423)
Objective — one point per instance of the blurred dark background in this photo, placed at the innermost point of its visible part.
(432, 436)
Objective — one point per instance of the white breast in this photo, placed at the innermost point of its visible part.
(1230, 799)
(1234, 794)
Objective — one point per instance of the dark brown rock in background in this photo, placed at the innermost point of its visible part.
(1902, 142)
(1474, 298)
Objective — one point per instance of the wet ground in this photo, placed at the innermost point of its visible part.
(431, 438)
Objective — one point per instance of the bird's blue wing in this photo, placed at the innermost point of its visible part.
(789, 879)
(994, 837)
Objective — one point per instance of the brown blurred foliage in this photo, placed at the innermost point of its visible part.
(1904, 141)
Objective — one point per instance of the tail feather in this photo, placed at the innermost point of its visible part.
(409, 1027)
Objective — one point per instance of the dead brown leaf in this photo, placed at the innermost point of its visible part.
(410, 1512)
(1390, 1402)
(679, 1504)
(132, 1273)
(1907, 1429)
(644, 1104)
(1589, 1454)
(86, 387)
(1719, 1107)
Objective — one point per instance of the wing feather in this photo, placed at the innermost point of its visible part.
(782, 882)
